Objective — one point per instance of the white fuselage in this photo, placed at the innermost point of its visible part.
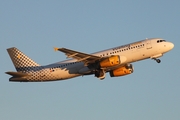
(149, 48)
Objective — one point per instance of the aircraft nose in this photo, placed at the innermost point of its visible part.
(171, 46)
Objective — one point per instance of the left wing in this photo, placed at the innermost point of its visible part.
(17, 74)
(79, 56)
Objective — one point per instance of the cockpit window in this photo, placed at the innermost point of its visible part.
(161, 41)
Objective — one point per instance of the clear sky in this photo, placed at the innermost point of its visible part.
(152, 92)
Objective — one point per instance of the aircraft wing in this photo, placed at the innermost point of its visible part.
(79, 56)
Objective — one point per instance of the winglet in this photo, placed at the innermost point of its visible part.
(56, 49)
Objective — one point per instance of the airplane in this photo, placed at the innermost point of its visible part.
(117, 61)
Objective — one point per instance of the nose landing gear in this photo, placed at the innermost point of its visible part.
(157, 60)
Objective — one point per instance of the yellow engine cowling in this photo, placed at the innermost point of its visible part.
(125, 70)
(111, 61)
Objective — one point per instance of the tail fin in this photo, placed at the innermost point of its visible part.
(21, 62)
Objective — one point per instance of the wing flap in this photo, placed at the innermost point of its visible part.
(79, 56)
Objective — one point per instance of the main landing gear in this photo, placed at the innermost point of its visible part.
(157, 60)
(100, 74)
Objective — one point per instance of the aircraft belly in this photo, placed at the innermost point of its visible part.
(50, 76)
(65, 74)
(44, 75)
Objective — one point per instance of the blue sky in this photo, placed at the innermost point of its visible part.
(35, 27)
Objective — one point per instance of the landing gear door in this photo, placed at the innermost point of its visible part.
(148, 44)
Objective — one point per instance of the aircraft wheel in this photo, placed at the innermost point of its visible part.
(158, 60)
(100, 74)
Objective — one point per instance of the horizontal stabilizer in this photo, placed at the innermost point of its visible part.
(17, 74)
(18, 79)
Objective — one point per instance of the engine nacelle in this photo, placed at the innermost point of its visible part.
(124, 70)
(111, 61)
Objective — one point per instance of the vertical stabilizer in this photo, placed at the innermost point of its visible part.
(21, 62)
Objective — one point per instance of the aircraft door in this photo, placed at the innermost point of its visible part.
(148, 44)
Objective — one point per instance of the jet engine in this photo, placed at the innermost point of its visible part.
(111, 61)
(121, 71)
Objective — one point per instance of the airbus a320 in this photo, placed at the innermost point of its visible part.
(116, 61)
